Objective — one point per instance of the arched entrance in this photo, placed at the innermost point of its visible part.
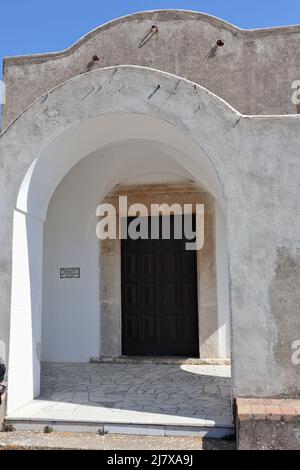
(147, 174)
(76, 130)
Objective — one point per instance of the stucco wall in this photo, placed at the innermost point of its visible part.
(70, 307)
(253, 71)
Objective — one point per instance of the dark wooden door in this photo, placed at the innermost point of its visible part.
(159, 297)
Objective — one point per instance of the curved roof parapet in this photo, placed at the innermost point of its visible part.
(244, 67)
(163, 15)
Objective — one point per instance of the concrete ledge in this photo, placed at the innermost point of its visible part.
(268, 424)
(161, 360)
(208, 431)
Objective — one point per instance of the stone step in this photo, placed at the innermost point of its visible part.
(160, 360)
(205, 429)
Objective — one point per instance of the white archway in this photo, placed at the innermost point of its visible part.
(101, 132)
(67, 125)
(36, 191)
(244, 153)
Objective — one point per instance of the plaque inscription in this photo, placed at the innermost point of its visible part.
(69, 273)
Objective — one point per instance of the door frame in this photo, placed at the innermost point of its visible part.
(208, 285)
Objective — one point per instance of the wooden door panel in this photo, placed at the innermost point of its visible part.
(149, 328)
(169, 329)
(168, 264)
(131, 324)
(159, 298)
(188, 296)
(131, 265)
(148, 265)
(148, 297)
(132, 296)
(167, 296)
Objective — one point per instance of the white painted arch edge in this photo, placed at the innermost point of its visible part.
(63, 127)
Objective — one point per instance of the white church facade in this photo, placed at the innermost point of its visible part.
(164, 108)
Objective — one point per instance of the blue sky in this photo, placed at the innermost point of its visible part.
(33, 26)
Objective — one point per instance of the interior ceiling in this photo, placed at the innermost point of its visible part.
(151, 163)
(156, 178)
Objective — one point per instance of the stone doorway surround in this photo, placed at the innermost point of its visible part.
(110, 266)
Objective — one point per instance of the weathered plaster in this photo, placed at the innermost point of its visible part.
(110, 267)
(256, 160)
(253, 70)
(284, 295)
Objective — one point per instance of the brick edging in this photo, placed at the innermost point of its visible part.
(268, 409)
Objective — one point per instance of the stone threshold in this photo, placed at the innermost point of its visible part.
(161, 360)
(207, 430)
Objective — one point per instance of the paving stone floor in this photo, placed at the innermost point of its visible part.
(136, 393)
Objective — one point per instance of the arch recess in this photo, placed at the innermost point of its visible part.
(90, 112)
